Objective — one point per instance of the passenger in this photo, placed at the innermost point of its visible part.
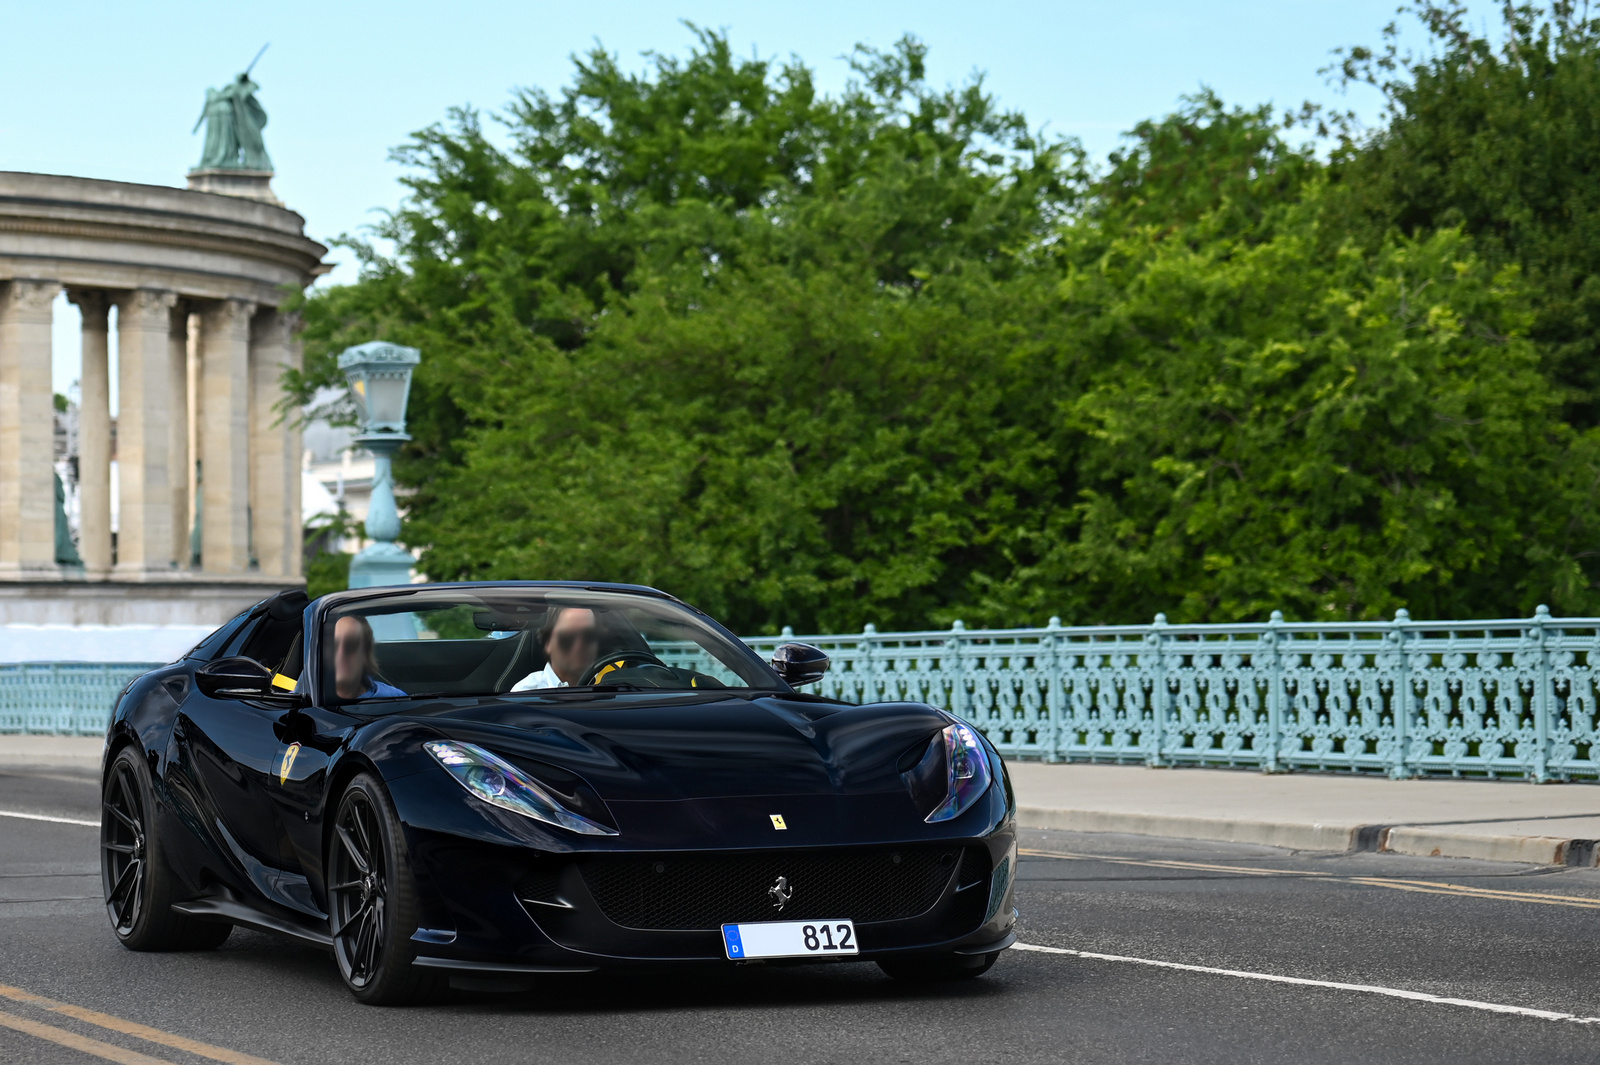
(355, 667)
(570, 647)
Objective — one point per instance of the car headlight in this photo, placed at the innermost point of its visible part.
(953, 773)
(499, 783)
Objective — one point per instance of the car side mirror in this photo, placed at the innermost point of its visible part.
(799, 663)
(234, 678)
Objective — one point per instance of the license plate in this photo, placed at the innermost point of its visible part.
(789, 939)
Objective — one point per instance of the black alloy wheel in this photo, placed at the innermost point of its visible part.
(139, 888)
(372, 904)
(124, 865)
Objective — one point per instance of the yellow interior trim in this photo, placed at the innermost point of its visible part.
(281, 681)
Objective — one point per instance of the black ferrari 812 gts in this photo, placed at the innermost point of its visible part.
(495, 780)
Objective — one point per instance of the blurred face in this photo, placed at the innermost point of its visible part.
(349, 658)
(572, 646)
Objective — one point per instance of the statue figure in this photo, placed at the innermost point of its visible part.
(66, 549)
(234, 119)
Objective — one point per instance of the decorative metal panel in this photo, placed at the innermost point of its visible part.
(64, 699)
(1494, 698)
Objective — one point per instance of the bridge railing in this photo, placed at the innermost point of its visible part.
(1512, 697)
(62, 698)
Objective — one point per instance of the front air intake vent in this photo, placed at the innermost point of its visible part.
(974, 868)
(704, 891)
(540, 886)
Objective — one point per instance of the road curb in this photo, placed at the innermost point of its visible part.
(1418, 840)
(1312, 837)
(80, 753)
(1536, 850)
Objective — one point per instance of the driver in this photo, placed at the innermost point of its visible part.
(570, 646)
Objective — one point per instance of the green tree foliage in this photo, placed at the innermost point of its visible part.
(1333, 436)
(890, 357)
(1277, 417)
(1502, 138)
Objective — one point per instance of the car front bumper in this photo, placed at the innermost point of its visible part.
(490, 908)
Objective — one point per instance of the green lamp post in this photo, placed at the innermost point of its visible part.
(380, 381)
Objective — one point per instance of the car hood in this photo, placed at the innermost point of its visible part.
(649, 747)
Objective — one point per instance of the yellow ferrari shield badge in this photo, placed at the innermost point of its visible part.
(289, 755)
(777, 822)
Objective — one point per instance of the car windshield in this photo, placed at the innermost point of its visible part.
(493, 641)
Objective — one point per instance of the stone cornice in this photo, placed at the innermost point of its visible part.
(303, 256)
(101, 233)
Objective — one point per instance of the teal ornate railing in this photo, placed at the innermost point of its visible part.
(1500, 698)
(66, 698)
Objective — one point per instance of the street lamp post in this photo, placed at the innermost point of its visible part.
(380, 381)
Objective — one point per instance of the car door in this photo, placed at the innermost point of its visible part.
(229, 754)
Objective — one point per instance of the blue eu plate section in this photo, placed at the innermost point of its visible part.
(790, 939)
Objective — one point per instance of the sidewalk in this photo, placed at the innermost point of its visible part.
(1551, 824)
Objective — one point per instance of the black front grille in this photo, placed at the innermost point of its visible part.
(974, 867)
(540, 885)
(706, 891)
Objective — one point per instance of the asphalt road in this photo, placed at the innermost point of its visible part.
(1496, 936)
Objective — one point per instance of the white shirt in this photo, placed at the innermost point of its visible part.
(545, 678)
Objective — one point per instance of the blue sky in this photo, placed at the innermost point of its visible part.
(112, 90)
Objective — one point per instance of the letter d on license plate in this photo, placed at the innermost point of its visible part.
(789, 939)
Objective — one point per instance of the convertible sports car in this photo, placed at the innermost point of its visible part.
(487, 781)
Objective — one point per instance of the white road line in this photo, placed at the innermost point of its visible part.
(1370, 989)
(55, 820)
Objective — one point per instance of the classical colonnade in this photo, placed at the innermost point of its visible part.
(197, 280)
(249, 467)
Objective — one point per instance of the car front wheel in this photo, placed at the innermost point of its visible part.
(372, 900)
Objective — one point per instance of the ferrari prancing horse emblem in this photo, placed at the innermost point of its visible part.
(777, 822)
(288, 762)
(780, 892)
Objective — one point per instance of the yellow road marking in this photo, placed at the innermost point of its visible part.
(78, 1042)
(1426, 887)
(133, 1028)
(1526, 895)
(1463, 891)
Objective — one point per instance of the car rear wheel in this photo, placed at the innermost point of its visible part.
(372, 900)
(139, 887)
(927, 968)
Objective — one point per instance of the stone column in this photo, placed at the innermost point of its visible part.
(178, 428)
(196, 420)
(144, 481)
(274, 447)
(27, 428)
(294, 453)
(225, 436)
(94, 435)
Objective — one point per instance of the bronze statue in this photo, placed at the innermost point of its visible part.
(234, 119)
